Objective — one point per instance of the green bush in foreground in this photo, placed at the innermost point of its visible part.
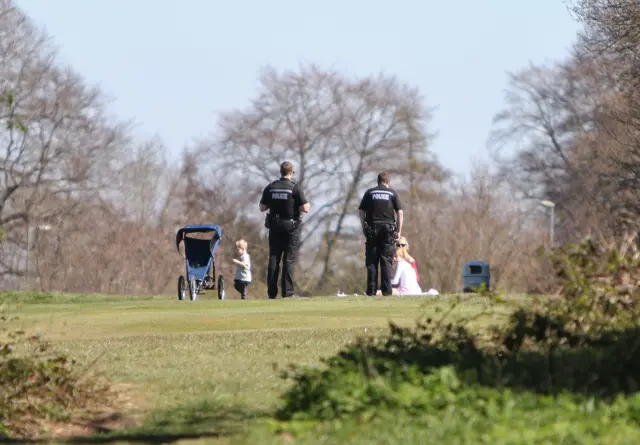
(541, 424)
(37, 385)
(575, 356)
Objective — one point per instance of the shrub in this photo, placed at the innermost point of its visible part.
(580, 345)
(38, 385)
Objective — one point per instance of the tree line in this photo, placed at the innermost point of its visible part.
(86, 206)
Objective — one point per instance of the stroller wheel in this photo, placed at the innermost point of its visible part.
(182, 288)
(220, 287)
(193, 288)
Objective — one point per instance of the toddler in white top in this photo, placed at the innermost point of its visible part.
(243, 269)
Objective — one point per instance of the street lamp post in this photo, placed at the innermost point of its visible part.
(552, 207)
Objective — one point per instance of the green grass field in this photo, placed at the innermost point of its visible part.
(206, 371)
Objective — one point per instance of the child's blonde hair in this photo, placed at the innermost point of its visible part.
(241, 244)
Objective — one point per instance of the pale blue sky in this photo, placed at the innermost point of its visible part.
(171, 65)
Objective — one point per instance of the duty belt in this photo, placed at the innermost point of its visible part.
(276, 219)
(383, 223)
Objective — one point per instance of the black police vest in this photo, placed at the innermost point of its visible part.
(381, 205)
(281, 202)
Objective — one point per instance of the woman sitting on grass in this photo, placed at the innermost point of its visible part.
(404, 245)
(405, 281)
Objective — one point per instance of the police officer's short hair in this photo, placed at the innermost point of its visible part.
(383, 178)
(286, 168)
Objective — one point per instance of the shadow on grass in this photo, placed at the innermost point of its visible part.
(205, 419)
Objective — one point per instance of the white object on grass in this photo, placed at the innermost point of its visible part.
(432, 291)
(340, 294)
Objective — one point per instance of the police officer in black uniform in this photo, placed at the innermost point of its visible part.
(285, 201)
(378, 210)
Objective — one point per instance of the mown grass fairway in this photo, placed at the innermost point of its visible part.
(207, 371)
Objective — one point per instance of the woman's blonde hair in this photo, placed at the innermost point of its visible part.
(402, 254)
(404, 248)
(241, 244)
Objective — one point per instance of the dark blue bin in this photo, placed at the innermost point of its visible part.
(474, 274)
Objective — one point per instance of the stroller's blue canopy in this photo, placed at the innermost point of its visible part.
(199, 252)
(198, 228)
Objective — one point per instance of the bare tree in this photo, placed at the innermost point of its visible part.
(479, 217)
(552, 118)
(64, 141)
(611, 28)
(145, 184)
(339, 132)
(384, 128)
(113, 203)
(99, 251)
(612, 34)
(547, 110)
(295, 117)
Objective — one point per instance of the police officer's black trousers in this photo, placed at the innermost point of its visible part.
(282, 246)
(380, 249)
